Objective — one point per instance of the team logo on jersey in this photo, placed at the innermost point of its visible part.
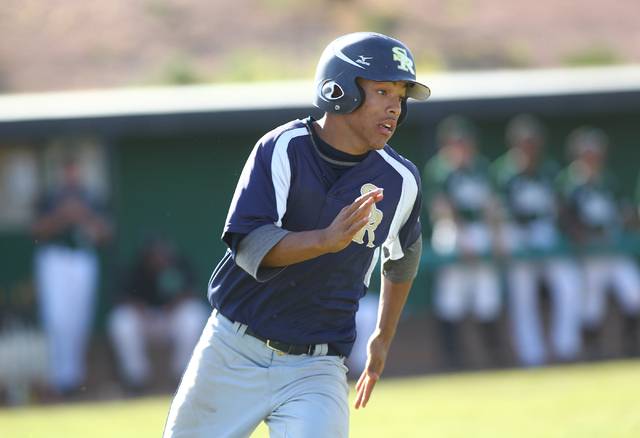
(375, 217)
(400, 55)
(363, 60)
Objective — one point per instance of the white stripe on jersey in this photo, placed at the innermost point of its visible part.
(281, 170)
(405, 205)
(374, 261)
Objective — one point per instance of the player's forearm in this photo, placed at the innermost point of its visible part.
(296, 247)
(49, 226)
(100, 231)
(393, 297)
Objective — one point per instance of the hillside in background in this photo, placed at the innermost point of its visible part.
(76, 44)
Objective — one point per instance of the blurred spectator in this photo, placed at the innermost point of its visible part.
(461, 208)
(594, 221)
(69, 225)
(158, 304)
(524, 177)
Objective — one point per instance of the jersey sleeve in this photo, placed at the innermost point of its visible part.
(254, 247)
(406, 227)
(406, 268)
(402, 250)
(261, 193)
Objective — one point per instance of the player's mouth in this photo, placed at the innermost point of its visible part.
(387, 127)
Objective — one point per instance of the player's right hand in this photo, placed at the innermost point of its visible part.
(350, 220)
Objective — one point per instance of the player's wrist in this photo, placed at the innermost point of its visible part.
(383, 338)
(324, 242)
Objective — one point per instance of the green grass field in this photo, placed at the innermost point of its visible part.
(577, 401)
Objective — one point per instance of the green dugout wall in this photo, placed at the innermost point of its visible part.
(174, 155)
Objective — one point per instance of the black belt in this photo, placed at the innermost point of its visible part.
(282, 348)
(296, 350)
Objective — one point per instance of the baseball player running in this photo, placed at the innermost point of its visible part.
(316, 203)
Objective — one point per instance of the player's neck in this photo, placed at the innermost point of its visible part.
(333, 131)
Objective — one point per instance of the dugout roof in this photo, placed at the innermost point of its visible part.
(178, 109)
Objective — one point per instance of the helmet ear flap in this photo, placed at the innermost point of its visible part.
(331, 91)
(362, 94)
(340, 95)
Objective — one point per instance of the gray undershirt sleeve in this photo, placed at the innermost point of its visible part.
(254, 246)
(406, 268)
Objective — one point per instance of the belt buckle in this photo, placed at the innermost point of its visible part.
(280, 352)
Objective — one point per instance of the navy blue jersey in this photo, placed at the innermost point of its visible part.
(286, 182)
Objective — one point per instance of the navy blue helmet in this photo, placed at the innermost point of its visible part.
(369, 56)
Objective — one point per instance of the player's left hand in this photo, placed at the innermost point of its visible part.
(377, 350)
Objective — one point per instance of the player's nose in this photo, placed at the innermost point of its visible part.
(394, 105)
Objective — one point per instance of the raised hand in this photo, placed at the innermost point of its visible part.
(350, 220)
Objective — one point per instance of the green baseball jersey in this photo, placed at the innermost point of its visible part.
(467, 189)
(594, 202)
(527, 195)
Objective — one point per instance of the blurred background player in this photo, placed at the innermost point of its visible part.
(461, 208)
(594, 220)
(524, 177)
(70, 223)
(158, 304)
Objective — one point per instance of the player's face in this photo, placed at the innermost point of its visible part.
(375, 121)
(594, 160)
(461, 151)
(531, 151)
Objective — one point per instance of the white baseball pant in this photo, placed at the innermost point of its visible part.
(234, 382)
(562, 276)
(463, 288)
(67, 281)
(467, 287)
(618, 272)
(131, 328)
